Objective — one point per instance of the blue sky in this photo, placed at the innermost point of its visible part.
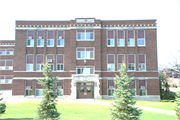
(167, 13)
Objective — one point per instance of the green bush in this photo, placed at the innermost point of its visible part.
(167, 95)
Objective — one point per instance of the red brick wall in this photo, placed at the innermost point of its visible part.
(153, 87)
(18, 87)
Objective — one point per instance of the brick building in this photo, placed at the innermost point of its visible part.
(84, 53)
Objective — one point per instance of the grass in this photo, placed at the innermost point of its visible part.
(72, 111)
(153, 104)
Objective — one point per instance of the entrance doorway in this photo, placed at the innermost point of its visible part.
(85, 90)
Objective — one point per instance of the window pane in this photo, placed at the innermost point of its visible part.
(62, 42)
(88, 55)
(112, 41)
(52, 67)
(87, 70)
(87, 36)
(91, 36)
(61, 67)
(42, 42)
(131, 41)
(133, 67)
(37, 67)
(58, 42)
(81, 89)
(129, 66)
(122, 42)
(109, 42)
(88, 89)
(79, 36)
(82, 36)
(79, 55)
(91, 71)
(78, 71)
(91, 54)
(83, 55)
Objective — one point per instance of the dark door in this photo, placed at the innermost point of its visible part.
(86, 91)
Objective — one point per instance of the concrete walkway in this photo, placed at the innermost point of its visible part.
(13, 100)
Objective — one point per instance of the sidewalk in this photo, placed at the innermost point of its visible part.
(13, 100)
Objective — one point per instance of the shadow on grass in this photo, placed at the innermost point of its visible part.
(18, 119)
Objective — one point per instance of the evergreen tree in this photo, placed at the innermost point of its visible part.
(47, 107)
(177, 104)
(123, 106)
(2, 106)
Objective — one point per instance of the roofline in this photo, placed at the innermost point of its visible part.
(7, 40)
(91, 18)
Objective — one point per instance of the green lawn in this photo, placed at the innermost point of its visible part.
(72, 111)
(153, 104)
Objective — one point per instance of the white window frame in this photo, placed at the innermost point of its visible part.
(143, 89)
(38, 95)
(4, 80)
(85, 35)
(40, 42)
(85, 53)
(30, 43)
(142, 63)
(110, 63)
(129, 39)
(51, 63)
(141, 39)
(110, 39)
(39, 64)
(120, 63)
(61, 39)
(110, 89)
(5, 67)
(85, 70)
(7, 51)
(50, 42)
(131, 63)
(59, 63)
(29, 64)
(62, 89)
(121, 39)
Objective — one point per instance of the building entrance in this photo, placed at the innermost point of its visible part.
(85, 90)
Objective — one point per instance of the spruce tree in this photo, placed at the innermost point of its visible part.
(2, 106)
(177, 104)
(47, 108)
(123, 106)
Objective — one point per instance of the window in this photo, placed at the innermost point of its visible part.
(50, 40)
(39, 62)
(29, 62)
(85, 53)
(85, 35)
(6, 64)
(28, 88)
(6, 51)
(110, 40)
(6, 79)
(131, 62)
(111, 87)
(130, 41)
(60, 38)
(110, 63)
(39, 89)
(120, 40)
(60, 86)
(121, 59)
(60, 63)
(50, 59)
(142, 88)
(141, 63)
(133, 87)
(30, 38)
(141, 38)
(85, 70)
(40, 38)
